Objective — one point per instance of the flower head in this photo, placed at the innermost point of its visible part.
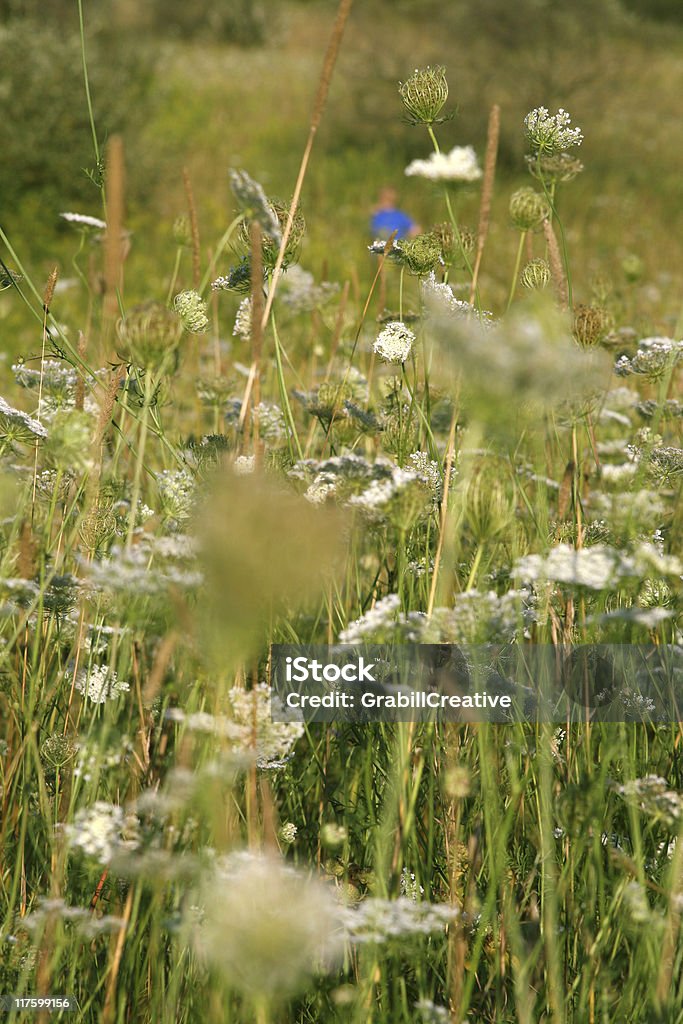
(191, 309)
(254, 203)
(394, 342)
(550, 133)
(460, 164)
(424, 94)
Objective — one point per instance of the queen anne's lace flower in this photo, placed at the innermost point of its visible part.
(103, 830)
(394, 342)
(460, 164)
(550, 133)
(99, 684)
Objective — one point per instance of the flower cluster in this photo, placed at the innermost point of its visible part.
(458, 165)
(394, 343)
(655, 358)
(102, 831)
(550, 133)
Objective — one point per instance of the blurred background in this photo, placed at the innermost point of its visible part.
(213, 85)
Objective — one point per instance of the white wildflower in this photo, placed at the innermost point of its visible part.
(247, 727)
(384, 623)
(177, 490)
(551, 133)
(244, 465)
(283, 926)
(654, 798)
(102, 831)
(84, 221)
(99, 684)
(409, 885)
(287, 833)
(16, 425)
(242, 328)
(655, 357)
(460, 164)
(394, 342)
(378, 920)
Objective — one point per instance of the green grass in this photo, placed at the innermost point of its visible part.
(140, 567)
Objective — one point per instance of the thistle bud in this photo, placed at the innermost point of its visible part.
(535, 275)
(191, 309)
(591, 325)
(528, 209)
(424, 94)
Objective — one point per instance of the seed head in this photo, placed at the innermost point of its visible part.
(528, 209)
(535, 275)
(424, 95)
(591, 324)
(191, 309)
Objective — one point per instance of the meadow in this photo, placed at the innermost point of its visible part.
(230, 418)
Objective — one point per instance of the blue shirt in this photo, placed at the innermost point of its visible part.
(385, 222)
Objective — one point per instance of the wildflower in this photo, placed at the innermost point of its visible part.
(430, 1013)
(178, 492)
(653, 797)
(535, 275)
(99, 684)
(440, 296)
(287, 833)
(528, 209)
(237, 280)
(102, 831)
(550, 133)
(244, 464)
(191, 309)
(242, 327)
(80, 919)
(394, 343)
(82, 220)
(424, 94)
(283, 925)
(332, 835)
(254, 203)
(301, 294)
(57, 750)
(655, 358)
(409, 885)
(247, 727)
(18, 426)
(399, 498)
(383, 623)
(459, 165)
(379, 920)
